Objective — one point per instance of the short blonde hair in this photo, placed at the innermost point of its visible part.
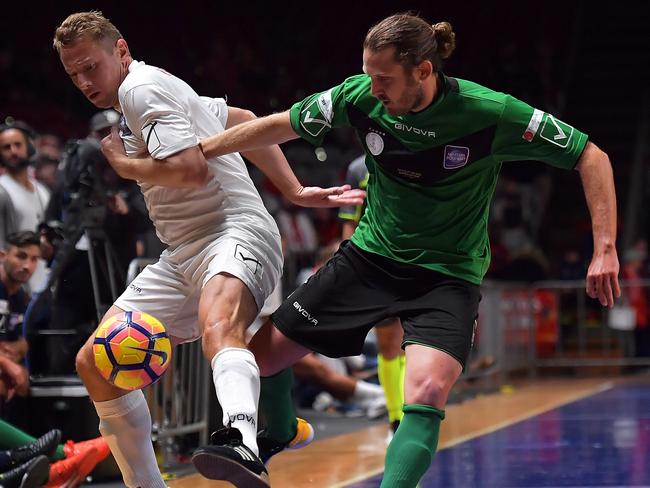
(86, 24)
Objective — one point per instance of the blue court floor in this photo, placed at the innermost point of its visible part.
(601, 440)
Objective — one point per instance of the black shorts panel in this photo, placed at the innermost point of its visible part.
(448, 322)
(334, 310)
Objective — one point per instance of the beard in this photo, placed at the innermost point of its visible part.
(15, 165)
(411, 99)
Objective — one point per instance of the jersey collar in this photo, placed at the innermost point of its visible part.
(135, 65)
(444, 86)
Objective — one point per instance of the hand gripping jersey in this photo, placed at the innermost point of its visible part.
(432, 173)
(163, 115)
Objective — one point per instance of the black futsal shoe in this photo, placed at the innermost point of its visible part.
(227, 458)
(31, 474)
(45, 445)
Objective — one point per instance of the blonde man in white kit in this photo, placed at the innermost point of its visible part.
(224, 256)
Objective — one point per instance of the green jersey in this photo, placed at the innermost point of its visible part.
(432, 173)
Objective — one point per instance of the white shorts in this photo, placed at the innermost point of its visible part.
(170, 289)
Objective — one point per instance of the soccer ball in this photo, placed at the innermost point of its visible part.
(132, 350)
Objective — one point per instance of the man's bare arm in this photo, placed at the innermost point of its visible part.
(598, 184)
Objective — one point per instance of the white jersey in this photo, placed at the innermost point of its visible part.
(163, 115)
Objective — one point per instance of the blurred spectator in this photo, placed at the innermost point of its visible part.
(18, 260)
(322, 256)
(28, 197)
(14, 379)
(338, 385)
(634, 271)
(357, 177)
(7, 215)
(49, 146)
(297, 228)
(328, 227)
(45, 169)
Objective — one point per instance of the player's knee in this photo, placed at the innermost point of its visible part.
(429, 391)
(85, 361)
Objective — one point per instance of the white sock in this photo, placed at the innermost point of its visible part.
(125, 423)
(364, 390)
(237, 383)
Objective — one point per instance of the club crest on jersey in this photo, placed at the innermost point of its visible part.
(455, 157)
(375, 143)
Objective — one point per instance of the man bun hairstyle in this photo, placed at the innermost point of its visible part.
(445, 38)
(415, 40)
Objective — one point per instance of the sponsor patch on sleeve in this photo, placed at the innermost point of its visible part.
(533, 125)
(317, 117)
(556, 132)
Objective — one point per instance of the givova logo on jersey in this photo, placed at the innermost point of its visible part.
(303, 311)
(318, 115)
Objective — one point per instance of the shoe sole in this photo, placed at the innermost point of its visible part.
(36, 474)
(304, 442)
(221, 468)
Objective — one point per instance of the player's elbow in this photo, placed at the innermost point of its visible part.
(592, 156)
(247, 115)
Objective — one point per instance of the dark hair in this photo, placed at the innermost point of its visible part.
(23, 238)
(26, 130)
(414, 39)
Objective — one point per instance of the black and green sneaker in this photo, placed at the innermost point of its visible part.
(227, 458)
(44, 445)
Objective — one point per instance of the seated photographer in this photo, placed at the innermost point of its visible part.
(92, 208)
(18, 260)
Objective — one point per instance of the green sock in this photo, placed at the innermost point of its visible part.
(11, 437)
(391, 378)
(276, 406)
(410, 452)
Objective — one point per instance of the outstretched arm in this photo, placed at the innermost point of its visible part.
(598, 184)
(254, 134)
(246, 131)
